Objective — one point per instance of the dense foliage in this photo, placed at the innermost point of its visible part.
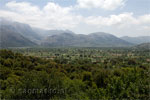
(77, 73)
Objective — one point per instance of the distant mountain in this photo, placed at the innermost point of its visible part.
(98, 39)
(45, 33)
(14, 34)
(9, 37)
(137, 40)
(143, 46)
(24, 29)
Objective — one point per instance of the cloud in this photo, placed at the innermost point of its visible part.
(60, 16)
(23, 8)
(104, 4)
(49, 17)
(121, 20)
(145, 19)
(124, 23)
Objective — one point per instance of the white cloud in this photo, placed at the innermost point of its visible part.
(50, 16)
(104, 4)
(59, 16)
(23, 8)
(123, 24)
(145, 19)
(121, 20)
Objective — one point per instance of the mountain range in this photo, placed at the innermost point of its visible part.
(98, 39)
(137, 40)
(14, 34)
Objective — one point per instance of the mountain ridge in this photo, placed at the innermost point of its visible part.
(10, 38)
(136, 40)
(29, 36)
(98, 39)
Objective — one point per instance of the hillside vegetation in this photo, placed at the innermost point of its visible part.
(115, 77)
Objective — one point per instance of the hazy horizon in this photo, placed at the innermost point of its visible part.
(117, 17)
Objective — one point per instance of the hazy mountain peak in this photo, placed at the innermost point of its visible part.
(4, 21)
(11, 38)
(136, 40)
(124, 36)
(100, 34)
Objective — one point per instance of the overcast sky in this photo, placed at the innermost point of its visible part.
(118, 17)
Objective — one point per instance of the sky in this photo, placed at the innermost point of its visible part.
(118, 17)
